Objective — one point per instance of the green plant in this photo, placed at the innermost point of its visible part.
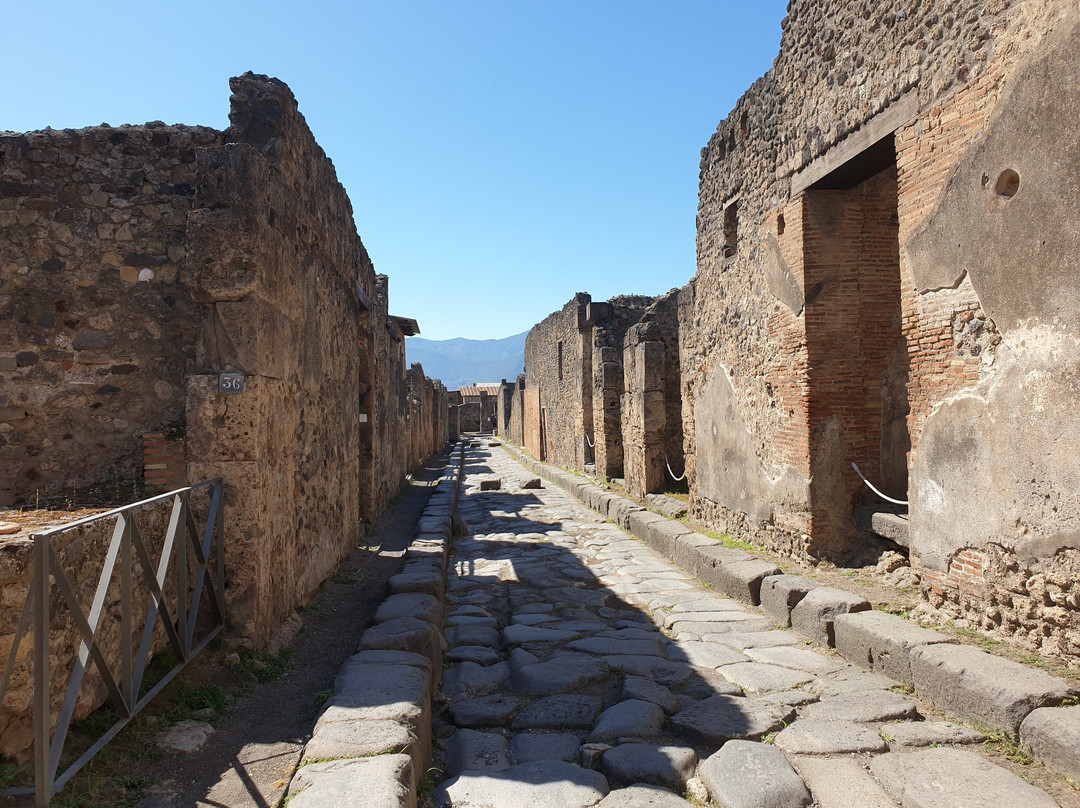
(428, 781)
(263, 666)
(193, 699)
(14, 775)
(323, 696)
(1006, 745)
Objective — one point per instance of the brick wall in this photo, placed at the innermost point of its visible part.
(164, 462)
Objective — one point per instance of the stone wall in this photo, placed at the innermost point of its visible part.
(510, 410)
(138, 264)
(97, 324)
(558, 373)
(864, 214)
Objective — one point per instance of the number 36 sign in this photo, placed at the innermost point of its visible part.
(230, 382)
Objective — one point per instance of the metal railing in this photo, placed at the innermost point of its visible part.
(180, 619)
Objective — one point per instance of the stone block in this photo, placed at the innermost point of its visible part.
(663, 536)
(782, 593)
(491, 484)
(951, 778)
(686, 555)
(987, 690)
(383, 781)
(640, 520)
(744, 774)
(407, 634)
(742, 579)
(619, 512)
(532, 483)
(814, 615)
(1051, 735)
(838, 782)
(881, 642)
(410, 604)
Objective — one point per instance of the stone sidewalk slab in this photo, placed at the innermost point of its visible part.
(540, 783)
(814, 615)
(1052, 735)
(981, 687)
(953, 778)
(384, 781)
(882, 642)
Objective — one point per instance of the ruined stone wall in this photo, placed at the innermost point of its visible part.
(510, 410)
(964, 401)
(651, 407)
(426, 426)
(609, 323)
(558, 369)
(97, 324)
(274, 256)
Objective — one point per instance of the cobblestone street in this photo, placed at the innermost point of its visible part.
(585, 669)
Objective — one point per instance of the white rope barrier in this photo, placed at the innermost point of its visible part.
(678, 479)
(871, 487)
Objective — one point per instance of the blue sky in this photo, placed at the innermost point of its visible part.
(500, 156)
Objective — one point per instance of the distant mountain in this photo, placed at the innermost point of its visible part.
(458, 362)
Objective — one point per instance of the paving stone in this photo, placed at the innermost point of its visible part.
(469, 679)
(529, 619)
(742, 579)
(755, 639)
(535, 608)
(639, 687)
(744, 774)
(561, 674)
(949, 778)
(638, 523)
(487, 621)
(468, 750)
(695, 630)
(606, 646)
(696, 603)
(704, 683)
(383, 781)
(1052, 736)
(849, 680)
(486, 711)
(557, 712)
(704, 654)
(642, 796)
(759, 678)
(519, 658)
(390, 657)
(882, 642)
(669, 766)
(808, 736)
(782, 593)
(915, 734)
(721, 718)
(480, 654)
(637, 665)
(986, 689)
(529, 746)
(539, 783)
(409, 604)
(841, 783)
(675, 619)
(796, 658)
(633, 718)
(792, 698)
(531, 634)
(864, 707)
(814, 615)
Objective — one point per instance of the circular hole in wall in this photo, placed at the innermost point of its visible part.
(1008, 183)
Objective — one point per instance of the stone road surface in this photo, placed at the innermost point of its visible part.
(585, 669)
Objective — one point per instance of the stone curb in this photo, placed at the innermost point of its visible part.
(987, 690)
(372, 743)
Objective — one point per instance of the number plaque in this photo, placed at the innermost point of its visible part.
(230, 382)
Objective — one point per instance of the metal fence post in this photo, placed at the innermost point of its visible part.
(42, 775)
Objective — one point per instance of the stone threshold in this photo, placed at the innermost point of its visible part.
(987, 691)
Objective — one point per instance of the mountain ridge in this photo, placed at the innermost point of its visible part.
(460, 361)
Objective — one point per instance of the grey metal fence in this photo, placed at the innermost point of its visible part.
(190, 581)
